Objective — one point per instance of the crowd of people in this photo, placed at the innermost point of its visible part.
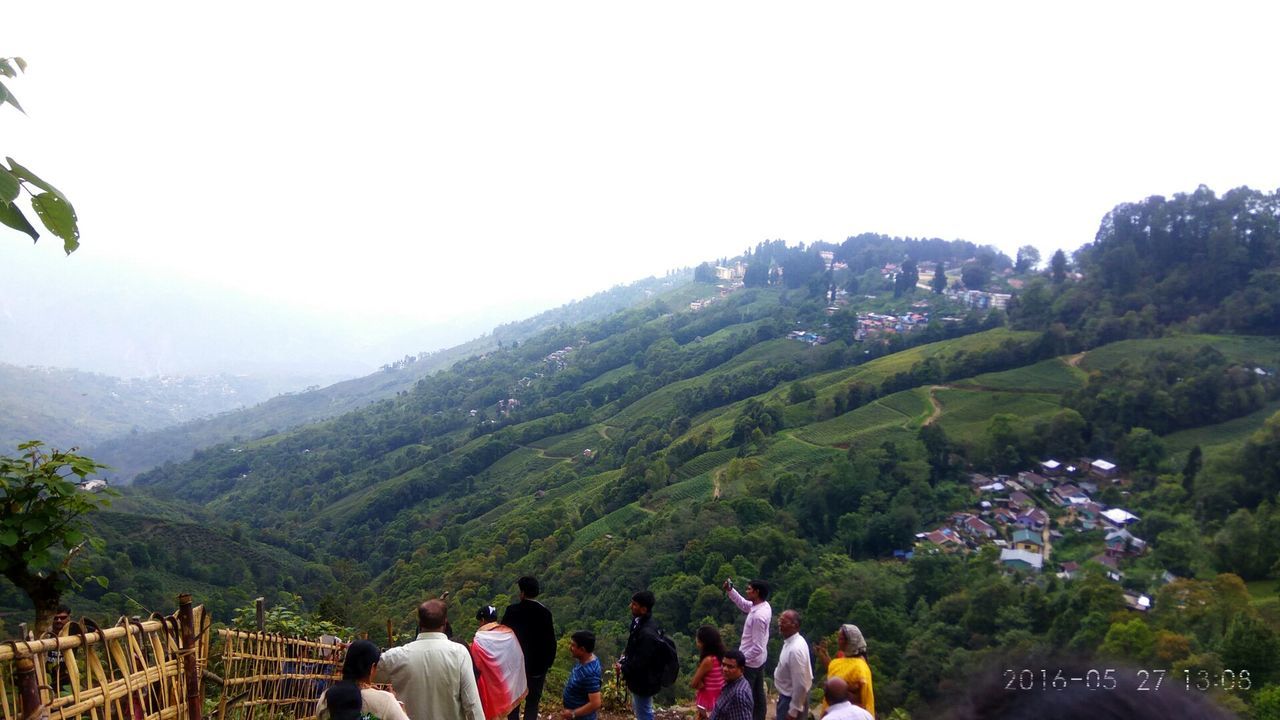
(505, 667)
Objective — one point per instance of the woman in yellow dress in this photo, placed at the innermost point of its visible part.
(850, 663)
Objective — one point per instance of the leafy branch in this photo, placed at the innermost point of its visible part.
(52, 208)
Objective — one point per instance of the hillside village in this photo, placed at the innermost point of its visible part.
(1024, 516)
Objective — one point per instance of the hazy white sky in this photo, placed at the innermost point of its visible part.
(374, 167)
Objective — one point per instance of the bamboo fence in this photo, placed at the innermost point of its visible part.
(136, 670)
(273, 676)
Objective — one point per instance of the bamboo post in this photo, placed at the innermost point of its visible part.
(22, 631)
(29, 685)
(195, 698)
(260, 605)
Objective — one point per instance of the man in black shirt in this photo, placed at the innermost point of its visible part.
(532, 623)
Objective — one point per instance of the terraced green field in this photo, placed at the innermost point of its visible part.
(660, 402)
(613, 523)
(697, 488)
(1253, 350)
(706, 462)
(571, 444)
(828, 385)
(1053, 375)
(1225, 436)
(522, 463)
(894, 412)
(789, 453)
(613, 375)
(967, 413)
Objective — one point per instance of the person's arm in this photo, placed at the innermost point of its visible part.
(700, 673)
(802, 676)
(470, 694)
(593, 704)
(824, 658)
(743, 604)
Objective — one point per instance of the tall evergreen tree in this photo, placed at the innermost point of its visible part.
(939, 283)
(1058, 266)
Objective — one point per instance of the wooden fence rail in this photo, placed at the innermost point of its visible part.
(272, 676)
(136, 670)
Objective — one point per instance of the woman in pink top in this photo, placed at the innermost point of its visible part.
(708, 679)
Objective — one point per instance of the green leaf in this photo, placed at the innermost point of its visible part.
(8, 538)
(102, 581)
(6, 69)
(73, 537)
(6, 96)
(22, 64)
(12, 216)
(9, 187)
(58, 215)
(25, 174)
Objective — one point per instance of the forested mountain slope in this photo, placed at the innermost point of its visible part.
(131, 454)
(807, 427)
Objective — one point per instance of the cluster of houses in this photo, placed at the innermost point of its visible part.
(1013, 513)
(506, 407)
(872, 325)
(979, 299)
(559, 359)
(807, 336)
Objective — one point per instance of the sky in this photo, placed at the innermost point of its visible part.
(326, 186)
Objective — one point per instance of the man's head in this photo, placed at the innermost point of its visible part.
(642, 603)
(60, 619)
(529, 587)
(582, 644)
(732, 664)
(757, 591)
(789, 623)
(836, 690)
(432, 616)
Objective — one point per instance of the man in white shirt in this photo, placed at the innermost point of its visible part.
(755, 637)
(794, 675)
(838, 706)
(433, 675)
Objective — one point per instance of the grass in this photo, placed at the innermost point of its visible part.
(613, 375)
(705, 462)
(1222, 436)
(571, 444)
(613, 523)
(1053, 375)
(697, 488)
(660, 402)
(1246, 349)
(522, 462)
(967, 413)
(885, 419)
(829, 384)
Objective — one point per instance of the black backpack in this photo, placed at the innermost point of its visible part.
(670, 660)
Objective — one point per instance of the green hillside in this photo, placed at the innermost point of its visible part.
(719, 446)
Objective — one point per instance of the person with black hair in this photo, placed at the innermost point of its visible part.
(582, 690)
(707, 678)
(499, 665)
(755, 636)
(643, 658)
(355, 698)
(433, 675)
(535, 629)
(735, 701)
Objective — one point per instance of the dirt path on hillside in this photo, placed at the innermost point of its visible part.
(933, 400)
(1074, 360)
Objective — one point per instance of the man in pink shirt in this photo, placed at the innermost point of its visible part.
(755, 637)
